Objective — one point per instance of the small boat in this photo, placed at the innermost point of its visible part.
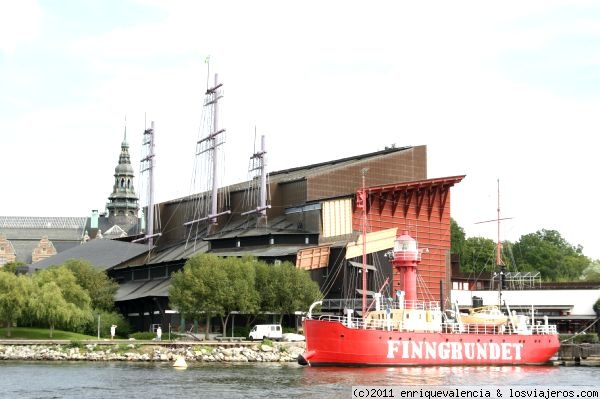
(489, 315)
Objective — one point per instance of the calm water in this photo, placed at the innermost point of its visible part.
(84, 380)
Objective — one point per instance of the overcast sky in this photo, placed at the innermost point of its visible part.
(508, 91)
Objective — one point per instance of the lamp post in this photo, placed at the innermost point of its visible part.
(98, 326)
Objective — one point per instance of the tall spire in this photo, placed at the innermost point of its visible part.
(125, 131)
(122, 204)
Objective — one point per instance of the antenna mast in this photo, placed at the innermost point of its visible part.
(499, 262)
(362, 204)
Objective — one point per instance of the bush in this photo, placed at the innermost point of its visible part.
(589, 338)
(75, 344)
(241, 331)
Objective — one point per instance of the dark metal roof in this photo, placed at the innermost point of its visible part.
(179, 252)
(103, 254)
(267, 252)
(142, 289)
(241, 228)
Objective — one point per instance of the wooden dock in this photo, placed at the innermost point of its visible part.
(578, 355)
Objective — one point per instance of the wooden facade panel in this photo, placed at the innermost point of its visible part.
(337, 217)
(313, 258)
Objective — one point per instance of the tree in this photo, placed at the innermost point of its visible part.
(550, 254)
(294, 289)
(457, 238)
(212, 286)
(68, 296)
(98, 285)
(11, 267)
(242, 295)
(592, 271)
(266, 286)
(200, 288)
(48, 304)
(14, 291)
(478, 255)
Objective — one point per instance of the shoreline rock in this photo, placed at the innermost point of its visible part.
(133, 352)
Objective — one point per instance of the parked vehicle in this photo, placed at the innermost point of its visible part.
(292, 337)
(270, 331)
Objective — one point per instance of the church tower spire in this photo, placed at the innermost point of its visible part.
(123, 203)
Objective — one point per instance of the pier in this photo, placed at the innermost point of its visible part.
(578, 355)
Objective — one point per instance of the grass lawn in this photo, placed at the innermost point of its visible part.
(41, 333)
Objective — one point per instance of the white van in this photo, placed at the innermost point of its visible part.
(261, 331)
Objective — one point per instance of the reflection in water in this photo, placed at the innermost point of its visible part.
(106, 380)
(416, 376)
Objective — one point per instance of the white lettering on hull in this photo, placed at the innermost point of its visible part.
(454, 350)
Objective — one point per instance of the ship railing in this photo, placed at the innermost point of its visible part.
(355, 322)
(456, 328)
(417, 304)
(542, 329)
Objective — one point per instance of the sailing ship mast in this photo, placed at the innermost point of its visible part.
(211, 146)
(147, 165)
(259, 167)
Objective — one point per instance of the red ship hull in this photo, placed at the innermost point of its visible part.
(331, 343)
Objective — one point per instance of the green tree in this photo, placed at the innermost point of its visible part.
(212, 286)
(98, 285)
(49, 305)
(295, 289)
(11, 267)
(14, 291)
(478, 255)
(200, 288)
(242, 295)
(266, 286)
(457, 238)
(592, 271)
(70, 296)
(549, 253)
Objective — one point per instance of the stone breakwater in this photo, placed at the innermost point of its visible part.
(132, 352)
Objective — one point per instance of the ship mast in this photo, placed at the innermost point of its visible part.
(363, 200)
(499, 261)
(149, 141)
(147, 165)
(499, 244)
(210, 145)
(258, 167)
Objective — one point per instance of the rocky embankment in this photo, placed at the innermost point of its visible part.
(152, 353)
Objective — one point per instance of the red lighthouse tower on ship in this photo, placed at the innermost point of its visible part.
(406, 259)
